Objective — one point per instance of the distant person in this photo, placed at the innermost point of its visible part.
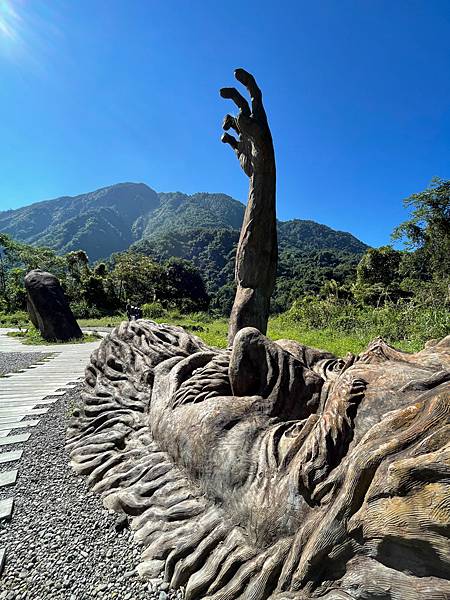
(136, 312)
(128, 308)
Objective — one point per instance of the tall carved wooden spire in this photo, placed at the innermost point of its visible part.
(257, 252)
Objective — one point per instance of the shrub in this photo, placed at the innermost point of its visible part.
(403, 320)
(173, 314)
(153, 310)
(15, 319)
(83, 310)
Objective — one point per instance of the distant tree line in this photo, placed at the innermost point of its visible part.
(398, 294)
(105, 287)
(302, 268)
(421, 271)
(320, 287)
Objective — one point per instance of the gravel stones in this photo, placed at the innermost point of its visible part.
(61, 544)
(11, 362)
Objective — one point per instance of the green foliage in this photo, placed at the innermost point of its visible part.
(378, 277)
(107, 321)
(153, 310)
(222, 301)
(141, 280)
(405, 321)
(103, 288)
(210, 250)
(379, 265)
(179, 212)
(100, 270)
(18, 318)
(83, 310)
(305, 272)
(305, 262)
(283, 327)
(184, 287)
(16, 259)
(411, 288)
(32, 337)
(136, 278)
(428, 229)
(212, 332)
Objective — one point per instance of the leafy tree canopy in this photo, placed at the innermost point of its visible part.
(427, 232)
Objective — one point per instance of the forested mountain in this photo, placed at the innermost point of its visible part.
(203, 228)
(99, 222)
(110, 219)
(179, 211)
(304, 264)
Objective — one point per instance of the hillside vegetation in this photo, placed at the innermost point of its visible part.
(202, 228)
(332, 291)
(110, 219)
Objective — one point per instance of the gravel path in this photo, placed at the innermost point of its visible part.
(10, 362)
(61, 543)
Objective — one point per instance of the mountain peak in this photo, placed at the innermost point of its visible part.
(113, 217)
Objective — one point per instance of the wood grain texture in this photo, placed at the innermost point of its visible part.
(272, 470)
(257, 251)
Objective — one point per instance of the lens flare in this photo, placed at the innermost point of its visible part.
(10, 21)
(29, 33)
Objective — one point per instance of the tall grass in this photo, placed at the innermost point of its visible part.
(404, 323)
(332, 325)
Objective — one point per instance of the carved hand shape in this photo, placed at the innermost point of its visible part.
(255, 139)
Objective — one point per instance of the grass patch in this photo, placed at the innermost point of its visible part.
(334, 341)
(404, 324)
(15, 319)
(32, 337)
(111, 321)
(214, 332)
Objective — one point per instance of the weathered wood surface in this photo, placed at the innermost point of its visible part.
(272, 470)
(257, 251)
(48, 307)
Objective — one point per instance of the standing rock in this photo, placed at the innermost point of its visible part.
(48, 307)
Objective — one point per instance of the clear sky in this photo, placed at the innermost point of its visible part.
(96, 92)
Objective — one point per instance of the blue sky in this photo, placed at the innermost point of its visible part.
(95, 92)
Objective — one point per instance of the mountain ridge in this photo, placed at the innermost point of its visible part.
(115, 217)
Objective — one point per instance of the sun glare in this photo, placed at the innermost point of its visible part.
(9, 20)
(27, 31)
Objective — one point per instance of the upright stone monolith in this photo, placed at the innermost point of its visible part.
(48, 307)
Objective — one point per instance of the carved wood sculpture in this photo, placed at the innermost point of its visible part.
(270, 469)
(257, 251)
